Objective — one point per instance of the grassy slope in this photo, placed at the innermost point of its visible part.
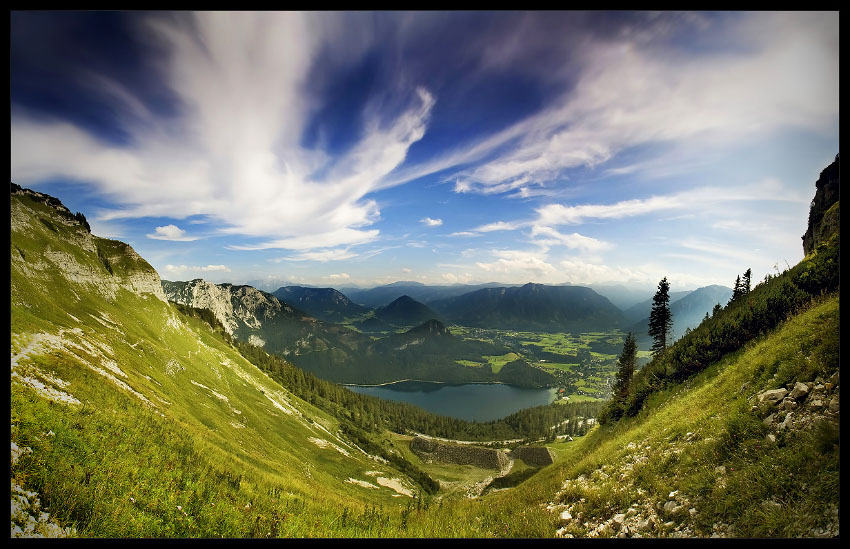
(219, 436)
(683, 435)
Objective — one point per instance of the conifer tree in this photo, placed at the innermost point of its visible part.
(661, 319)
(745, 282)
(736, 291)
(626, 370)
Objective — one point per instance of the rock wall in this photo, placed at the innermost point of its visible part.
(823, 214)
(233, 306)
(103, 265)
(536, 456)
(432, 450)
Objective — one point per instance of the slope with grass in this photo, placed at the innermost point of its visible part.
(134, 420)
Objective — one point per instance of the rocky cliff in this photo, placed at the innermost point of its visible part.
(234, 306)
(103, 265)
(823, 214)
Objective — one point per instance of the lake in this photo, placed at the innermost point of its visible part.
(471, 401)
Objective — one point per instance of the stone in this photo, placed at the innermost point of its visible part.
(801, 389)
(720, 469)
(670, 507)
(772, 396)
(833, 404)
(816, 403)
(820, 387)
(618, 520)
(673, 494)
(771, 437)
(565, 516)
(786, 423)
(788, 404)
(692, 511)
(769, 420)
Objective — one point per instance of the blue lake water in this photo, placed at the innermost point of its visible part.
(472, 401)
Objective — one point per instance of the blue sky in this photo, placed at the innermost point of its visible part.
(361, 148)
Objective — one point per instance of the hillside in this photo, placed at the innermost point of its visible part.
(532, 307)
(130, 419)
(325, 304)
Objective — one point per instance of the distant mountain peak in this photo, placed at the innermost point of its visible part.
(431, 327)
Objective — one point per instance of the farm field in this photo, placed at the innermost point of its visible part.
(584, 364)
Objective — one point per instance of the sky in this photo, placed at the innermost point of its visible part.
(362, 148)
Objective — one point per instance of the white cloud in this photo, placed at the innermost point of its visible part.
(574, 241)
(234, 154)
(431, 222)
(340, 276)
(320, 255)
(176, 269)
(171, 232)
(519, 265)
(780, 71)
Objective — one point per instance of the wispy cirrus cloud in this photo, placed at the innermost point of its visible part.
(234, 152)
(631, 93)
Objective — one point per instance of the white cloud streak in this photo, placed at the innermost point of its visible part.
(234, 153)
(783, 73)
(431, 222)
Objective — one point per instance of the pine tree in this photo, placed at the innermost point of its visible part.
(661, 319)
(736, 291)
(626, 370)
(745, 282)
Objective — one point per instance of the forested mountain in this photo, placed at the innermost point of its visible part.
(405, 311)
(326, 304)
(533, 307)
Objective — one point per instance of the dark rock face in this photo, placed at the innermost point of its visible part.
(536, 456)
(823, 214)
(486, 458)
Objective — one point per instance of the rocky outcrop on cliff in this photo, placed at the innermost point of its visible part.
(823, 214)
(71, 251)
(234, 306)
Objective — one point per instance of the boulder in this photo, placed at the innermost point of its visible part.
(788, 404)
(833, 404)
(773, 395)
(565, 516)
(618, 520)
(801, 389)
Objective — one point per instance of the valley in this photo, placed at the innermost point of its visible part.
(150, 408)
